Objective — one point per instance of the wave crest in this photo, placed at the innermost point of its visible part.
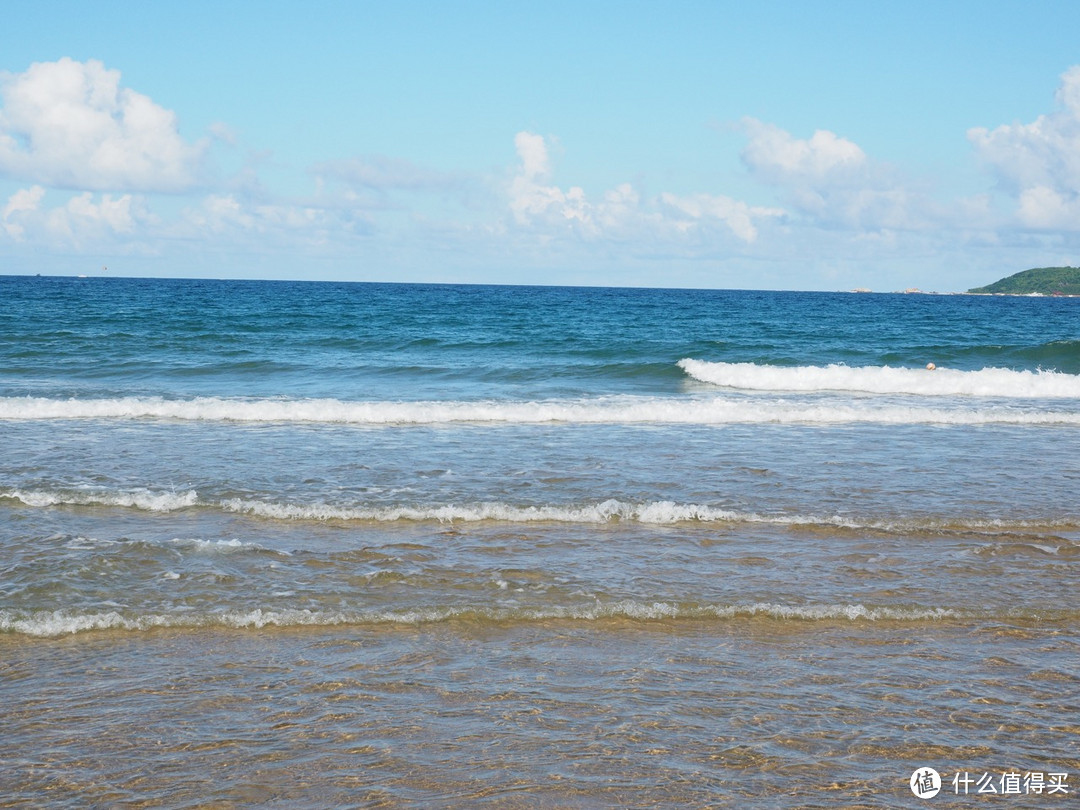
(48, 624)
(137, 499)
(664, 410)
(987, 382)
(610, 510)
(606, 511)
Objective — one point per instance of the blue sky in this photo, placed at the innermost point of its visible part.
(696, 144)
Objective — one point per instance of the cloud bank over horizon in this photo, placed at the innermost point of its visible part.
(93, 167)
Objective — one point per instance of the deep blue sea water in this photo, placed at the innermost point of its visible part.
(321, 544)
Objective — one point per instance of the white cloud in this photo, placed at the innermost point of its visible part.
(620, 205)
(532, 149)
(550, 209)
(620, 214)
(22, 203)
(1042, 207)
(530, 199)
(256, 226)
(83, 221)
(735, 214)
(69, 124)
(832, 182)
(220, 212)
(1039, 163)
(776, 156)
(82, 217)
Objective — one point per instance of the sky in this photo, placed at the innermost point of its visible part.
(767, 145)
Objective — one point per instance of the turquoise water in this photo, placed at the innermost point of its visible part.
(315, 544)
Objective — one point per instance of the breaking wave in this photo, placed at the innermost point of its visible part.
(143, 499)
(610, 510)
(988, 382)
(658, 512)
(67, 622)
(716, 410)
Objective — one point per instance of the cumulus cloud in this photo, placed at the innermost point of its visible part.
(620, 213)
(82, 215)
(776, 156)
(1039, 163)
(23, 203)
(831, 181)
(83, 221)
(69, 124)
(1043, 207)
(736, 215)
(533, 202)
(531, 198)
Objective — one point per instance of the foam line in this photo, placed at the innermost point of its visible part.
(46, 624)
(610, 510)
(717, 410)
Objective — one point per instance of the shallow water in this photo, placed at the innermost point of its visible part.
(751, 711)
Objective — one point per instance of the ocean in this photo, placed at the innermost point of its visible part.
(304, 544)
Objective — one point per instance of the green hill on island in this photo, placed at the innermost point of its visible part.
(1045, 280)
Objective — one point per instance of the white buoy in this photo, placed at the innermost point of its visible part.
(930, 366)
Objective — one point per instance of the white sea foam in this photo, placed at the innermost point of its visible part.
(136, 499)
(987, 382)
(613, 510)
(717, 410)
(601, 512)
(67, 622)
(610, 510)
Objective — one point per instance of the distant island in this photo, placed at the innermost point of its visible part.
(1039, 280)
